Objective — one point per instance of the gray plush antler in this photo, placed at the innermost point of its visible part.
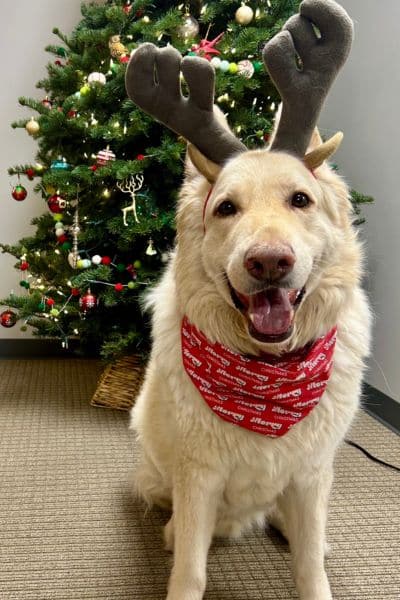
(153, 83)
(303, 91)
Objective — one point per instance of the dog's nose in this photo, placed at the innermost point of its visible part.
(269, 262)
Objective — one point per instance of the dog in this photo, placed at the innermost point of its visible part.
(267, 265)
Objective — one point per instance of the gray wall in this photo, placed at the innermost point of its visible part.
(365, 104)
(27, 30)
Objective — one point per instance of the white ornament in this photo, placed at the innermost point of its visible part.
(131, 186)
(96, 259)
(246, 69)
(244, 15)
(59, 232)
(59, 225)
(151, 251)
(216, 62)
(95, 77)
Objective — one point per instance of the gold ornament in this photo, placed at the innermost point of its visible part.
(244, 15)
(117, 49)
(32, 126)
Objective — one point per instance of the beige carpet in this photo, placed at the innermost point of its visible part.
(69, 528)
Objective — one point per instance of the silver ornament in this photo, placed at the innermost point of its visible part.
(189, 27)
(246, 69)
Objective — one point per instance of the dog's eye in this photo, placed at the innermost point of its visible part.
(300, 200)
(226, 208)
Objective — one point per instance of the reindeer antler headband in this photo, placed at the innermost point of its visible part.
(152, 82)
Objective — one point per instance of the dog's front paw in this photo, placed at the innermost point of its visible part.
(185, 588)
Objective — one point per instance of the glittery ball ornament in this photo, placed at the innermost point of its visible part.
(56, 203)
(244, 15)
(189, 27)
(104, 157)
(8, 318)
(19, 192)
(97, 78)
(88, 302)
(246, 69)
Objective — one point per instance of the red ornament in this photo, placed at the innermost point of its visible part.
(19, 192)
(58, 63)
(118, 287)
(71, 114)
(62, 239)
(47, 102)
(24, 265)
(50, 302)
(124, 59)
(75, 292)
(127, 8)
(131, 269)
(206, 48)
(139, 13)
(104, 157)
(88, 302)
(140, 157)
(267, 136)
(56, 203)
(106, 260)
(30, 173)
(93, 168)
(8, 318)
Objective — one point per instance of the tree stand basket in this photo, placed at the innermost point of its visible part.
(120, 383)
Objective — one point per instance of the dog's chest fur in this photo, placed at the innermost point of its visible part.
(174, 424)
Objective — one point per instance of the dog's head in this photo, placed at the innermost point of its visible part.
(267, 222)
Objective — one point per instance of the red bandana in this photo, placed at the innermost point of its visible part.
(267, 395)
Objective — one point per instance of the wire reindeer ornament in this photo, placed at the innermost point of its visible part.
(131, 186)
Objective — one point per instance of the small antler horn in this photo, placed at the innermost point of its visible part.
(153, 83)
(303, 90)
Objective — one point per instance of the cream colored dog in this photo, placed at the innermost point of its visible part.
(266, 261)
(220, 478)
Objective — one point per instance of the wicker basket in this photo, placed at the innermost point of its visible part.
(119, 383)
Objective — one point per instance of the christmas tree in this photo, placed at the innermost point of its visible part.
(109, 174)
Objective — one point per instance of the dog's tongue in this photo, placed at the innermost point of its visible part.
(271, 311)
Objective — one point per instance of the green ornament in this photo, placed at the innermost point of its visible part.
(54, 312)
(42, 305)
(24, 284)
(85, 90)
(257, 66)
(120, 267)
(114, 68)
(137, 264)
(61, 51)
(191, 54)
(23, 328)
(233, 68)
(131, 285)
(57, 216)
(66, 246)
(260, 133)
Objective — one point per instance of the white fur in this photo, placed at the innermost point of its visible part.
(219, 478)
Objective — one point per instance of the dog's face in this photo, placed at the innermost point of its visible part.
(269, 230)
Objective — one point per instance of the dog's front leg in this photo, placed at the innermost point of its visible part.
(195, 500)
(304, 505)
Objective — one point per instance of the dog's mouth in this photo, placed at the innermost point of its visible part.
(269, 313)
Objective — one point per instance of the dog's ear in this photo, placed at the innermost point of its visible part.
(205, 166)
(319, 151)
